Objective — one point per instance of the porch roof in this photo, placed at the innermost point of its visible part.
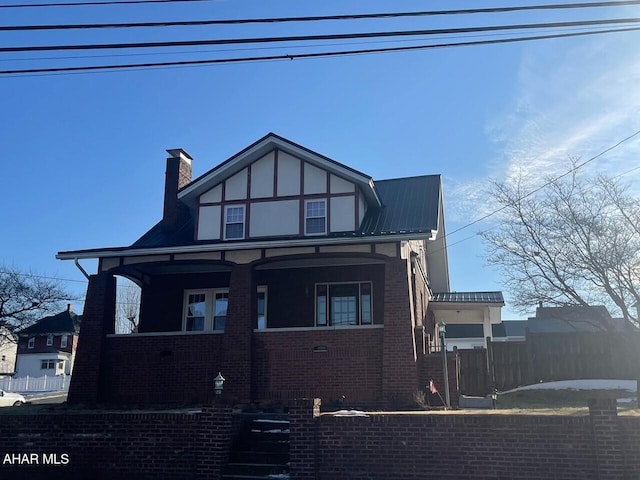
(469, 297)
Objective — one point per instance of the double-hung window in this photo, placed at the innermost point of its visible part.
(343, 304)
(234, 222)
(207, 309)
(48, 364)
(49, 340)
(32, 342)
(315, 217)
(63, 341)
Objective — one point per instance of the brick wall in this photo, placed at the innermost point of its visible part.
(163, 369)
(286, 366)
(399, 375)
(118, 445)
(98, 319)
(483, 446)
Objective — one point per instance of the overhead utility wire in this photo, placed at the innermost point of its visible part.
(296, 56)
(190, 23)
(308, 38)
(277, 47)
(86, 4)
(553, 180)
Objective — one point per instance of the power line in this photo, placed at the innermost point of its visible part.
(85, 4)
(297, 56)
(546, 184)
(305, 38)
(364, 16)
(278, 47)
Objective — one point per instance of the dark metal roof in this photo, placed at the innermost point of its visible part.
(63, 322)
(408, 205)
(468, 297)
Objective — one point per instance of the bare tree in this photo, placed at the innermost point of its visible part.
(576, 242)
(25, 298)
(128, 306)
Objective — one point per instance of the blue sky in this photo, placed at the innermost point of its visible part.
(84, 154)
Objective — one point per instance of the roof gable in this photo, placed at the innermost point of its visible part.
(264, 146)
(63, 322)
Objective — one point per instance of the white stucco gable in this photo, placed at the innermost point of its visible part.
(276, 188)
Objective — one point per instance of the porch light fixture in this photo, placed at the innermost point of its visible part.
(442, 330)
(218, 384)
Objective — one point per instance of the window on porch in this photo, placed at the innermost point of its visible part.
(207, 309)
(343, 304)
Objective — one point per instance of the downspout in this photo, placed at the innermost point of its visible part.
(84, 272)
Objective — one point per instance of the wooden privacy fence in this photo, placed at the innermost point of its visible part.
(545, 357)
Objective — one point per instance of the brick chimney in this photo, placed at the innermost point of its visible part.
(178, 175)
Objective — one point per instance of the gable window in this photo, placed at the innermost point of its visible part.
(234, 222)
(343, 304)
(315, 217)
(63, 341)
(49, 340)
(32, 342)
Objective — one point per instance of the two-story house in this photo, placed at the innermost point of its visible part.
(48, 347)
(290, 273)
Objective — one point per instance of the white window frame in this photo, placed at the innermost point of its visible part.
(49, 340)
(328, 320)
(262, 289)
(49, 362)
(315, 200)
(209, 306)
(63, 341)
(244, 217)
(31, 343)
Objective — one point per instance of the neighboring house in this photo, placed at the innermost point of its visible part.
(569, 319)
(8, 350)
(290, 273)
(48, 347)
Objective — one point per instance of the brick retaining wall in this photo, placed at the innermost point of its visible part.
(116, 445)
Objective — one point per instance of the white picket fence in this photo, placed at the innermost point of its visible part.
(35, 384)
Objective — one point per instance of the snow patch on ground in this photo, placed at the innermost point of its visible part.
(349, 413)
(590, 384)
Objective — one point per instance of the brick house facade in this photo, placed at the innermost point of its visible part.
(292, 274)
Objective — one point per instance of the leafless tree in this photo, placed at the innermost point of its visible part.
(128, 306)
(24, 298)
(576, 242)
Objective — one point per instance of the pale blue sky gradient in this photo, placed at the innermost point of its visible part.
(84, 154)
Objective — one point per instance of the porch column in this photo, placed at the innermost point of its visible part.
(88, 382)
(399, 368)
(236, 362)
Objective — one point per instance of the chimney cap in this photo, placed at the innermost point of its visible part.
(179, 153)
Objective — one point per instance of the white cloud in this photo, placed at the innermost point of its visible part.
(570, 102)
